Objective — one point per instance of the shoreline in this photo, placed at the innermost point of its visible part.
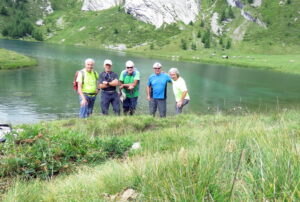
(284, 63)
(12, 60)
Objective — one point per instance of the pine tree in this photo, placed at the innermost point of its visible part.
(183, 44)
(151, 46)
(4, 11)
(36, 34)
(199, 34)
(228, 45)
(207, 43)
(194, 46)
(221, 42)
(230, 13)
(202, 24)
(223, 16)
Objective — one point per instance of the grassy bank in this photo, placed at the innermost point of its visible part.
(12, 60)
(252, 157)
(288, 63)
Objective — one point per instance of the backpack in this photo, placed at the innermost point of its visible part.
(75, 83)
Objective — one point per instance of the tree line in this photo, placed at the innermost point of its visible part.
(19, 22)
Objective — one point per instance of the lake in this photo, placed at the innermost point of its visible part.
(44, 92)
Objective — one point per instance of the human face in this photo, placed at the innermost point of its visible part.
(89, 66)
(157, 70)
(107, 67)
(173, 75)
(129, 70)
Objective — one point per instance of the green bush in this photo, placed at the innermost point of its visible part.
(183, 44)
(36, 154)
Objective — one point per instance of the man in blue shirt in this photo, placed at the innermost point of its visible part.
(157, 91)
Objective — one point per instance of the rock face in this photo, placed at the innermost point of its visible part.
(256, 3)
(97, 5)
(247, 15)
(235, 3)
(215, 28)
(47, 7)
(158, 12)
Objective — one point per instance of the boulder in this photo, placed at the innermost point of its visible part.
(159, 12)
(4, 129)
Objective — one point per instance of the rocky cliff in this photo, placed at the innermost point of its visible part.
(158, 12)
(155, 12)
(96, 5)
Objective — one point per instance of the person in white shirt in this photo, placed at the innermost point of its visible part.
(180, 90)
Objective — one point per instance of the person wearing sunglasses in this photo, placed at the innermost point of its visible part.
(129, 83)
(108, 82)
(157, 91)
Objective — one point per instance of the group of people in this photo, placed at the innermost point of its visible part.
(125, 89)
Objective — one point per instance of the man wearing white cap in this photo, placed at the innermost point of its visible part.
(129, 80)
(157, 90)
(108, 82)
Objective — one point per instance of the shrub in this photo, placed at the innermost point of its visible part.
(230, 13)
(199, 34)
(194, 46)
(228, 45)
(151, 46)
(183, 44)
(4, 11)
(36, 154)
(37, 35)
(202, 24)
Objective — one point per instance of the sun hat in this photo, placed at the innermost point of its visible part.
(107, 62)
(157, 64)
(129, 63)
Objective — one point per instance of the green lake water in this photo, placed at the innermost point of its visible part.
(45, 92)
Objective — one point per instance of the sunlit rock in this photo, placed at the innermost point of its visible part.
(97, 5)
(159, 12)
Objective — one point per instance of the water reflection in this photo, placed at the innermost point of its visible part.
(45, 92)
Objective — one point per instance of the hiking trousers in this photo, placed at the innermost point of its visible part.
(107, 98)
(129, 105)
(161, 104)
(178, 110)
(87, 110)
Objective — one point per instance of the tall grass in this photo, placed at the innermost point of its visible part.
(217, 158)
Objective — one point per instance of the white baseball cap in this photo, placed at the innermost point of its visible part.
(157, 64)
(107, 62)
(129, 63)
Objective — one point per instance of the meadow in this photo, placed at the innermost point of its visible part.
(246, 157)
(13, 60)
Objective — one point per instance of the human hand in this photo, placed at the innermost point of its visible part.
(105, 82)
(84, 102)
(148, 98)
(130, 87)
(179, 103)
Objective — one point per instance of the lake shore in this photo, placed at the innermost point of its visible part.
(13, 60)
(282, 63)
(286, 63)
